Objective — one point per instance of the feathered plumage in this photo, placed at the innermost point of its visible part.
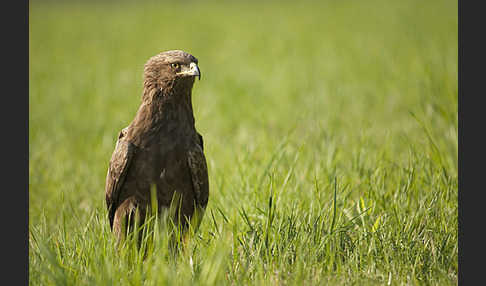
(160, 147)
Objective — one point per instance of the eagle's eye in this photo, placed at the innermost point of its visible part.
(174, 65)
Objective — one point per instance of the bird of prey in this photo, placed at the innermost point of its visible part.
(160, 149)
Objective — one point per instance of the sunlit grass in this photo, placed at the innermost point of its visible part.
(330, 133)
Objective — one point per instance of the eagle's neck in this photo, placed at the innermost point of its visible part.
(173, 107)
(163, 112)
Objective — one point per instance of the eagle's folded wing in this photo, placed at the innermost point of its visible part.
(199, 174)
(119, 163)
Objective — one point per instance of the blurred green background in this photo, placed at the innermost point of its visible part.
(292, 96)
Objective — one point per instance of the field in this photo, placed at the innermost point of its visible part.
(330, 132)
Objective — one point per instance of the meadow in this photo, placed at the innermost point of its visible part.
(330, 131)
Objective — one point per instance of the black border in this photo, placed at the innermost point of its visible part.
(471, 80)
(15, 136)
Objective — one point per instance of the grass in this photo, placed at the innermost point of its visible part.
(330, 131)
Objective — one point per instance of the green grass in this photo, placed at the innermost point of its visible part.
(330, 133)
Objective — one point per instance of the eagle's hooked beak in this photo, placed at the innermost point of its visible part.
(191, 70)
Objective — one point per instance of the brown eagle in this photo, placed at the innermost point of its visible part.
(160, 149)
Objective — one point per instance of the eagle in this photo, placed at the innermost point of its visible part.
(160, 151)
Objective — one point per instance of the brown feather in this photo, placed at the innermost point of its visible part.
(160, 147)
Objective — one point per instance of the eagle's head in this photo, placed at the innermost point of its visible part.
(170, 72)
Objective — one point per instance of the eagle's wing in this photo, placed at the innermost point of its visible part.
(117, 171)
(200, 180)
